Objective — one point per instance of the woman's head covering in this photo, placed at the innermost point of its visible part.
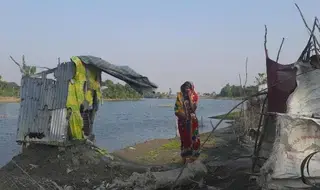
(186, 86)
(189, 87)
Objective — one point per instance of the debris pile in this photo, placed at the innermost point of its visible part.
(84, 167)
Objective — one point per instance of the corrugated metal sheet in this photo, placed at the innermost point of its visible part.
(43, 107)
(64, 73)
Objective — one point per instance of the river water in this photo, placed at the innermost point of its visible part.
(120, 124)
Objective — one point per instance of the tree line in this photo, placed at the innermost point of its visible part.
(110, 90)
(9, 89)
(234, 91)
(113, 90)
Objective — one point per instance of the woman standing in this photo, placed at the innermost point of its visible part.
(185, 108)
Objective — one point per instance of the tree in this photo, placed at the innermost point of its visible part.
(29, 70)
(235, 91)
(118, 91)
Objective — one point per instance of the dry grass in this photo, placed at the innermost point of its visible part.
(4, 99)
(249, 117)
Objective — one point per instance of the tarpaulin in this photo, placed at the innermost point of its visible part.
(281, 80)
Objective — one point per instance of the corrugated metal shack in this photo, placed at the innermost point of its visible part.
(57, 111)
(291, 129)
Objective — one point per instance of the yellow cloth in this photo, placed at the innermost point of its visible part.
(178, 107)
(93, 85)
(77, 94)
(75, 99)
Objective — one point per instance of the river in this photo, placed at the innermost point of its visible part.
(120, 124)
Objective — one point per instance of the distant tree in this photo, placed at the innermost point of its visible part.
(235, 91)
(8, 88)
(118, 91)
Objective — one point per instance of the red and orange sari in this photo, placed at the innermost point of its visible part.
(188, 127)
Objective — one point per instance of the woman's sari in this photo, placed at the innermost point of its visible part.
(188, 128)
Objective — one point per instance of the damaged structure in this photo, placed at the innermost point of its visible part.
(291, 129)
(60, 110)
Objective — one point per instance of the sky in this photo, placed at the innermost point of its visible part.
(205, 41)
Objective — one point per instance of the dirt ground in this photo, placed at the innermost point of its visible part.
(83, 167)
(44, 167)
(158, 151)
(228, 162)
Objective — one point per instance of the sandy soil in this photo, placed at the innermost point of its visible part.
(9, 99)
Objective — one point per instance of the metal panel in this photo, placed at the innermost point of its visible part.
(47, 94)
(64, 73)
(52, 124)
(43, 111)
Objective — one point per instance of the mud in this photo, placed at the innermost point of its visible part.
(81, 167)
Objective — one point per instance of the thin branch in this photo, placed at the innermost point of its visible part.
(278, 55)
(265, 41)
(41, 67)
(243, 113)
(21, 68)
(23, 60)
(306, 25)
(58, 60)
(317, 23)
(240, 84)
(246, 79)
(304, 20)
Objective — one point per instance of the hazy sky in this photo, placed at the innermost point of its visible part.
(169, 41)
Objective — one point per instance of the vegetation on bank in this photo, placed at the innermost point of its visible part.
(117, 91)
(231, 116)
(112, 91)
(8, 89)
(236, 91)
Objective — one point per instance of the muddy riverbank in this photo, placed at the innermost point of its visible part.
(84, 167)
